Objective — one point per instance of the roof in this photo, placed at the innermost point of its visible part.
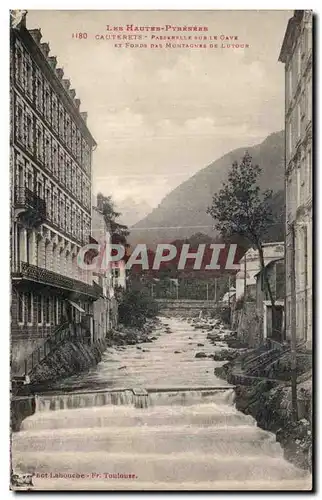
(290, 35)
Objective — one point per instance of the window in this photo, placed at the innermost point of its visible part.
(29, 307)
(21, 308)
(68, 219)
(47, 104)
(79, 147)
(47, 152)
(73, 222)
(29, 79)
(67, 173)
(40, 312)
(20, 176)
(74, 139)
(20, 124)
(47, 256)
(62, 167)
(47, 310)
(28, 247)
(39, 92)
(48, 202)
(39, 189)
(73, 178)
(28, 132)
(55, 310)
(55, 208)
(78, 228)
(55, 160)
(62, 212)
(20, 68)
(61, 122)
(29, 180)
(39, 151)
(68, 131)
(55, 113)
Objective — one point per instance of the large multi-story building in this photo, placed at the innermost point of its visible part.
(296, 54)
(51, 154)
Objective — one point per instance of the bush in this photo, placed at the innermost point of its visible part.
(224, 314)
(136, 307)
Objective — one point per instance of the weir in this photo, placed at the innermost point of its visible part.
(139, 398)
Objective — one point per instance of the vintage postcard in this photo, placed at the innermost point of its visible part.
(161, 250)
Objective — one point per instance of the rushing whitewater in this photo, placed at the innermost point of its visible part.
(172, 428)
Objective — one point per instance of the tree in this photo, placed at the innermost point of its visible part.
(240, 208)
(107, 207)
(136, 307)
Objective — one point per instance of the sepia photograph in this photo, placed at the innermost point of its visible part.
(161, 185)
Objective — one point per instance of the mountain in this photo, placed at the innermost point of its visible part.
(182, 212)
(132, 211)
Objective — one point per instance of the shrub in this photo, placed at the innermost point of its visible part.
(224, 314)
(136, 307)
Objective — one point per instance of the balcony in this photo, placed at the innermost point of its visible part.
(30, 272)
(30, 207)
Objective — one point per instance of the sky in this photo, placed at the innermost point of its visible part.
(160, 115)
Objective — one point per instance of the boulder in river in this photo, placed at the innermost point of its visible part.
(201, 355)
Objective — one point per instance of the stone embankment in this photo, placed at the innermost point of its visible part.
(262, 379)
(71, 358)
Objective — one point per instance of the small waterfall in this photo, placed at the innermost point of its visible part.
(134, 397)
(45, 403)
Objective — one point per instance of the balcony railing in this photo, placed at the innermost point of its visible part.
(41, 275)
(32, 203)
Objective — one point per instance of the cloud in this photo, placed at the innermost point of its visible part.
(159, 116)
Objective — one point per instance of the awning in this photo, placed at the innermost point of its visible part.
(79, 308)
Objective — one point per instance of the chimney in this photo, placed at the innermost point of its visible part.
(72, 93)
(45, 48)
(36, 35)
(84, 115)
(60, 73)
(52, 61)
(66, 83)
(77, 103)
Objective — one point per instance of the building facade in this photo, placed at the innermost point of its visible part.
(105, 308)
(50, 164)
(275, 273)
(296, 54)
(271, 251)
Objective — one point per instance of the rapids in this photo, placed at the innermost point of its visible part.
(154, 418)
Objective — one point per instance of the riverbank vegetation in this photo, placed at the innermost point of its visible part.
(136, 307)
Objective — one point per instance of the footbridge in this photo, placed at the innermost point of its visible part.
(186, 307)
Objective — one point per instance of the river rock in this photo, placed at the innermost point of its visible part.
(201, 355)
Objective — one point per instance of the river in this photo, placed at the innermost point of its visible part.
(155, 421)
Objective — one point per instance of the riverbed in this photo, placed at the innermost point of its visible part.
(150, 417)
